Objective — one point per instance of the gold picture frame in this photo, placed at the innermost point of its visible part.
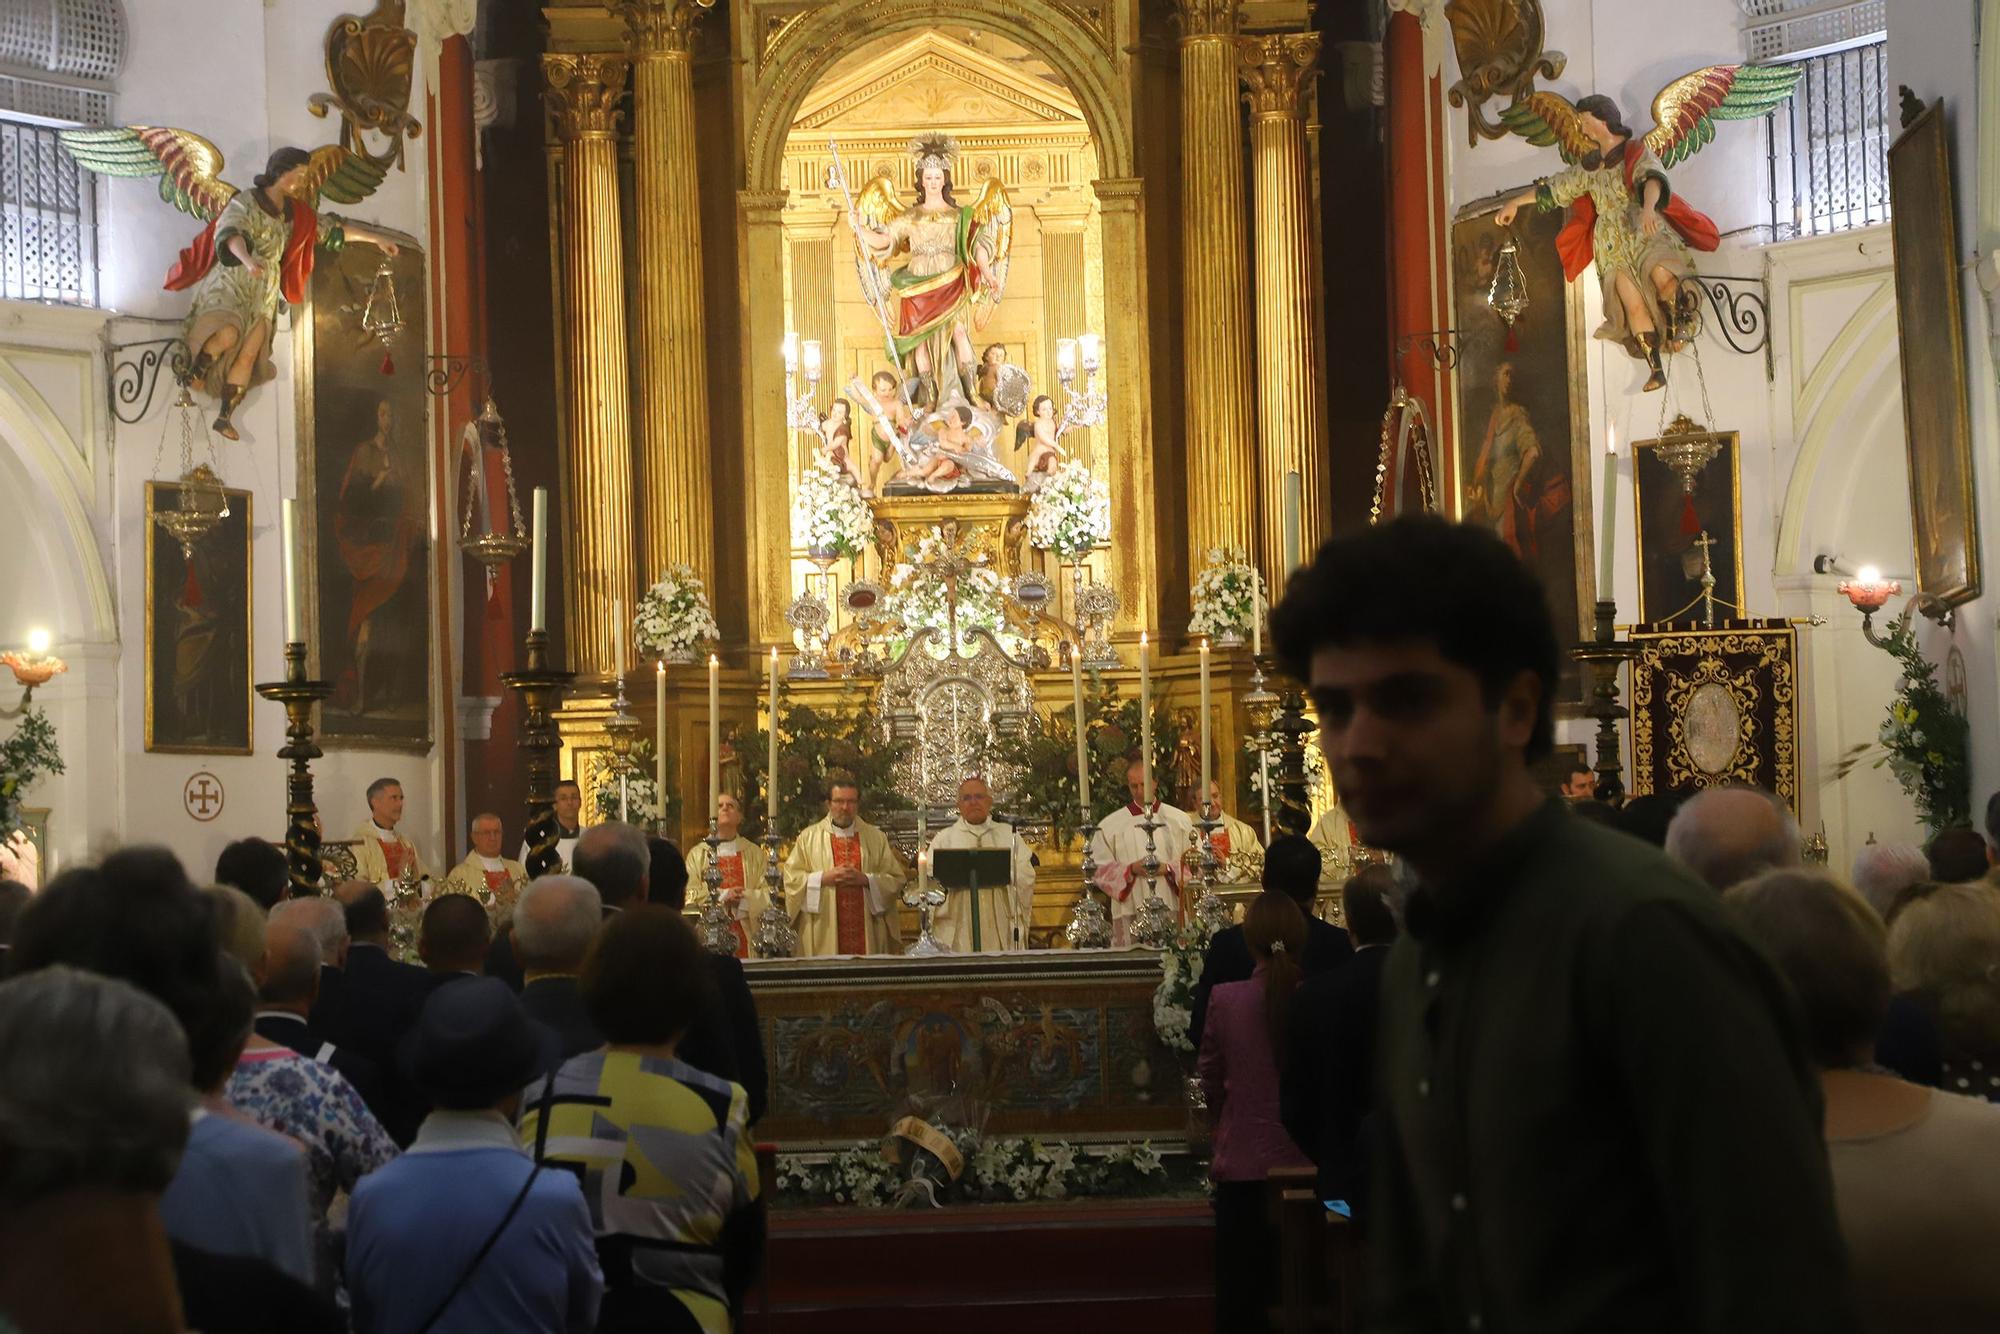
(199, 644)
(1669, 562)
(1930, 331)
(1712, 708)
(1549, 384)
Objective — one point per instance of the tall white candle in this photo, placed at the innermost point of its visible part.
(1295, 500)
(1082, 731)
(538, 586)
(1204, 724)
(660, 731)
(618, 639)
(1256, 621)
(1607, 537)
(771, 761)
(714, 736)
(1146, 719)
(295, 623)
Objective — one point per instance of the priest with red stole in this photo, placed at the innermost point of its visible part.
(843, 882)
(380, 853)
(494, 880)
(741, 861)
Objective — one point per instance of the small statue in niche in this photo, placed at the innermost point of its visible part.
(257, 250)
(1623, 212)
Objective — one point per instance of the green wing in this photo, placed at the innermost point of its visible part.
(189, 166)
(1685, 112)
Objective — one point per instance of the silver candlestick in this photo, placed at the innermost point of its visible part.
(716, 919)
(776, 938)
(1089, 925)
(1211, 914)
(1153, 924)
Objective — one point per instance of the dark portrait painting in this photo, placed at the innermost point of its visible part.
(198, 631)
(1523, 428)
(1676, 527)
(365, 469)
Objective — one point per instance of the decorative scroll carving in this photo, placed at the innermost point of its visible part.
(583, 92)
(1500, 53)
(660, 26)
(370, 62)
(1276, 70)
(1207, 18)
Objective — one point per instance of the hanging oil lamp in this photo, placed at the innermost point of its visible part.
(1508, 292)
(381, 316)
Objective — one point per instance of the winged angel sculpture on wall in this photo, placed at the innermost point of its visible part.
(1622, 210)
(257, 250)
(934, 271)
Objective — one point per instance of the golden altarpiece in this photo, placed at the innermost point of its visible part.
(716, 299)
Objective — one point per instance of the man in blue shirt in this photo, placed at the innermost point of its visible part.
(465, 1232)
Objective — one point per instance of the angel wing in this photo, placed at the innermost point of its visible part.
(1685, 112)
(189, 166)
(1544, 118)
(994, 218)
(340, 175)
(875, 206)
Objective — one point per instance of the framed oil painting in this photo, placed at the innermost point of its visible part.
(198, 632)
(1672, 523)
(1930, 328)
(1524, 422)
(365, 483)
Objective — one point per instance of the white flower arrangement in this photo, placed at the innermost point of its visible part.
(673, 620)
(997, 1170)
(829, 515)
(1319, 786)
(1071, 514)
(642, 793)
(922, 601)
(1173, 999)
(1226, 594)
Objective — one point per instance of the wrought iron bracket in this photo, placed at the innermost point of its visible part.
(135, 374)
(446, 371)
(1436, 344)
(1742, 311)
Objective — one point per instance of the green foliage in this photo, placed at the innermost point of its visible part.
(813, 743)
(24, 757)
(1923, 741)
(1044, 755)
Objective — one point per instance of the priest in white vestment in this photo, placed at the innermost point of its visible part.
(741, 861)
(494, 880)
(1239, 853)
(1002, 913)
(569, 825)
(1119, 849)
(1335, 840)
(843, 882)
(381, 855)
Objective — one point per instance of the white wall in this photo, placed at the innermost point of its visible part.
(241, 78)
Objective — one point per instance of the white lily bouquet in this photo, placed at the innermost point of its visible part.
(830, 517)
(1071, 514)
(1226, 596)
(673, 620)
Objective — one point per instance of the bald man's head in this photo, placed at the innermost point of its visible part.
(291, 967)
(1726, 835)
(554, 922)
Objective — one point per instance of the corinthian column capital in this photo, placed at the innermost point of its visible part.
(1207, 18)
(1276, 69)
(660, 27)
(583, 92)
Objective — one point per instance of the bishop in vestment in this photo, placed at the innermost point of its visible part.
(741, 861)
(1119, 849)
(494, 880)
(381, 855)
(843, 882)
(1000, 918)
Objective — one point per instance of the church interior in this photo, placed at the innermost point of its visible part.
(433, 430)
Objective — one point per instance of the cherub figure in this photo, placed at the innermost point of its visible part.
(1623, 211)
(1038, 433)
(836, 433)
(257, 250)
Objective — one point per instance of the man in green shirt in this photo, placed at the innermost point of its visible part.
(1596, 1109)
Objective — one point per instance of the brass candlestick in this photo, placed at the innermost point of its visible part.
(1602, 655)
(541, 688)
(298, 695)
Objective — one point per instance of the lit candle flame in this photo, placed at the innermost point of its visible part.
(38, 641)
(1868, 574)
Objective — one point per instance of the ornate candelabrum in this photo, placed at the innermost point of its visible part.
(776, 938)
(623, 730)
(1083, 407)
(1602, 655)
(541, 688)
(718, 923)
(1089, 925)
(1870, 592)
(298, 695)
(802, 409)
(1153, 924)
(1211, 914)
(926, 901)
(1261, 706)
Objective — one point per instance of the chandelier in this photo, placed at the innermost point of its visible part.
(1508, 292)
(201, 503)
(484, 534)
(382, 316)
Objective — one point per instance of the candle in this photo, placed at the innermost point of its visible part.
(1090, 351)
(714, 736)
(1065, 356)
(1256, 621)
(1146, 720)
(660, 732)
(1295, 499)
(1082, 730)
(538, 586)
(771, 762)
(1607, 538)
(812, 358)
(923, 853)
(791, 353)
(1204, 725)
(618, 639)
(295, 629)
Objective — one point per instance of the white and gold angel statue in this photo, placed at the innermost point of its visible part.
(933, 271)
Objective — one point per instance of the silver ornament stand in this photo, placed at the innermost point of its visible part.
(776, 938)
(716, 919)
(1089, 925)
(1153, 924)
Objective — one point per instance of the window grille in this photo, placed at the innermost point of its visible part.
(1829, 144)
(1781, 28)
(48, 218)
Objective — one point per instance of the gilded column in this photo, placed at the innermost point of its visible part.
(583, 92)
(811, 242)
(1140, 565)
(1221, 454)
(1291, 423)
(671, 403)
(1063, 312)
(767, 469)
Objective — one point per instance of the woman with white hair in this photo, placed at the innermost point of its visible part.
(1944, 948)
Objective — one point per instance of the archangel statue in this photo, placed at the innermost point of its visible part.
(257, 250)
(1622, 211)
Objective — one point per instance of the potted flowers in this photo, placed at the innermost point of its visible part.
(1071, 514)
(673, 621)
(1228, 597)
(829, 517)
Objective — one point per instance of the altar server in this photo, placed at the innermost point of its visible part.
(742, 862)
(843, 882)
(569, 813)
(1003, 913)
(494, 880)
(382, 855)
(1120, 852)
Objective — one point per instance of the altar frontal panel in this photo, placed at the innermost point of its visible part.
(1049, 1041)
